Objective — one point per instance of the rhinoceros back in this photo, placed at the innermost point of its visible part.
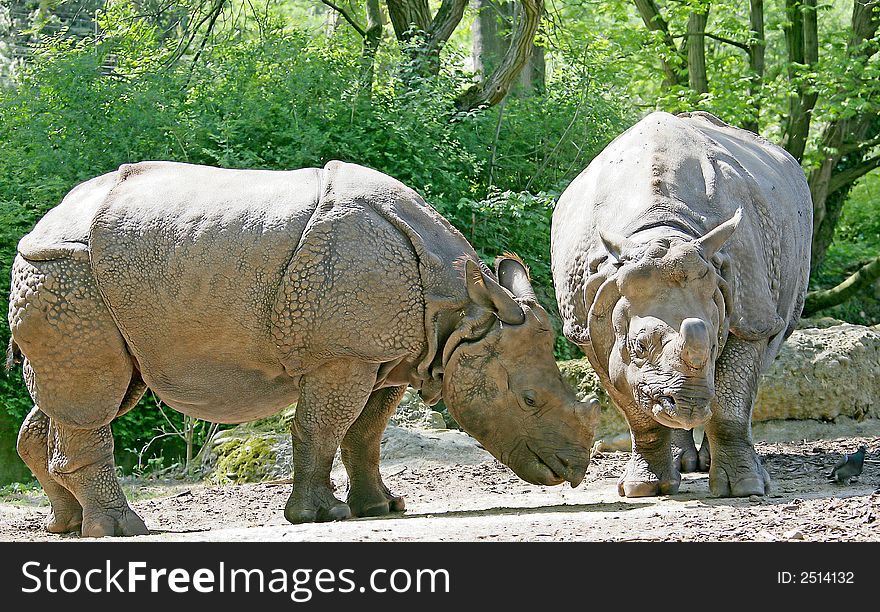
(64, 230)
(188, 259)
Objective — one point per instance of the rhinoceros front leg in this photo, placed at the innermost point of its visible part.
(735, 469)
(684, 450)
(331, 398)
(367, 494)
(650, 470)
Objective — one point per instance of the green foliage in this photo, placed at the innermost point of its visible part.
(856, 241)
(517, 222)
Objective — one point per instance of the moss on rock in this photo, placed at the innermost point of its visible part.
(243, 459)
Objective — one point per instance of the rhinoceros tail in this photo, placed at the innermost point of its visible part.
(13, 355)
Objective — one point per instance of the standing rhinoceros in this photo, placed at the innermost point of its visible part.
(680, 258)
(233, 293)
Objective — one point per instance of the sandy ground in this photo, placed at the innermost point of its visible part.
(455, 491)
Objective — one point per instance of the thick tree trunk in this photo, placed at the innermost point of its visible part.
(757, 46)
(670, 63)
(803, 53)
(696, 51)
(486, 41)
(409, 17)
(844, 161)
(492, 90)
(862, 280)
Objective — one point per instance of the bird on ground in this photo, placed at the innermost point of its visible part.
(849, 466)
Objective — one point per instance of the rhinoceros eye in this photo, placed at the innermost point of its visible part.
(529, 398)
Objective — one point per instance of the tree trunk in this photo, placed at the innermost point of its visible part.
(409, 18)
(757, 45)
(696, 51)
(422, 36)
(863, 279)
(831, 180)
(492, 90)
(803, 53)
(672, 61)
(372, 38)
(486, 48)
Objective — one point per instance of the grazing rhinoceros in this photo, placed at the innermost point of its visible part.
(233, 293)
(680, 258)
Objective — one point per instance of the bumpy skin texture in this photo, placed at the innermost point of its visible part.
(235, 293)
(680, 258)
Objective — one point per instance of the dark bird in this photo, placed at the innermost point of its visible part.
(849, 466)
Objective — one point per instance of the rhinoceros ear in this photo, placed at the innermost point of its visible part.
(486, 292)
(715, 239)
(514, 276)
(615, 244)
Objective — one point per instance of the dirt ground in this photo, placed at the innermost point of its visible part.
(455, 491)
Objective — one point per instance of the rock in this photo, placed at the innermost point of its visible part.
(823, 374)
(435, 420)
(794, 534)
(620, 442)
(413, 412)
(585, 382)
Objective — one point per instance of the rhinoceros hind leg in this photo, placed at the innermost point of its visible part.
(735, 469)
(331, 399)
(650, 470)
(79, 372)
(82, 461)
(684, 451)
(367, 494)
(704, 457)
(65, 515)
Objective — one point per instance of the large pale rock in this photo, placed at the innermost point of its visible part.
(823, 374)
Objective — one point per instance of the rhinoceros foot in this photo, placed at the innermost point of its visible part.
(103, 522)
(65, 520)
(737, 474)
(374, 501)
(641, 480)
(315, 508)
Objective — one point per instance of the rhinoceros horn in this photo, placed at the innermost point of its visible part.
(695, 343)
(715, 239)
(486, 291)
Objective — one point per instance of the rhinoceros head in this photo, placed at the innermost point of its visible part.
(502, 385)
(660, 321)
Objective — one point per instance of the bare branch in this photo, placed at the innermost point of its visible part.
(345, 15)
(745, 47)
(495, 88)
(852, 286)
(850, 175)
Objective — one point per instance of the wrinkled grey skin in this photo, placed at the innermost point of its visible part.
(680, 258)
(234, 293)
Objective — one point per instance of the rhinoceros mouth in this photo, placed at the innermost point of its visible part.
(678, 413)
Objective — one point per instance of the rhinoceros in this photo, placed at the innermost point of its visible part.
(680, 259)
(232, 294)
